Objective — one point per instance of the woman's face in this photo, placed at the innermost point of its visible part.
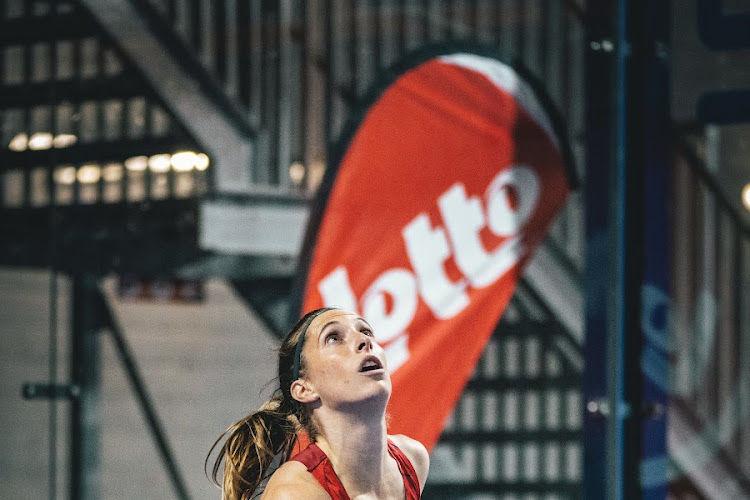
(343, 363)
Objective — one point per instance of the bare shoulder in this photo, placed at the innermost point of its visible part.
(291, 481)
(417, 454)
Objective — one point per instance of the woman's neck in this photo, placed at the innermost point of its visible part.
(357, 446)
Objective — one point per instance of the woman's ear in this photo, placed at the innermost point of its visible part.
(303, 391)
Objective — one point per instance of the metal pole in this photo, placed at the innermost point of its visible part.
(650, 125)
(627, 250)
(85, 373)
(601, 153)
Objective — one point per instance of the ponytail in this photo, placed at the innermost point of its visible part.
(250, 447)
(254, 442)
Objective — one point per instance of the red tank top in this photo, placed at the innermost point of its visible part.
(319, 466)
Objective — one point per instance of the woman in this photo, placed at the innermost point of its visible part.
(334, 385)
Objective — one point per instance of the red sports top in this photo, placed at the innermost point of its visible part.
(319, 466)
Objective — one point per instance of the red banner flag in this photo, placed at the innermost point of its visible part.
(440, 196)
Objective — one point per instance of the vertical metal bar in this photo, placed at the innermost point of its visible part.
(401, 14)
(377, 34)
(77, 76)
(600, 87)
(520, 23)
(650, 128)
(329, 83)
(28, 9)
(543, 44)
(53, 288)
(497, 23)
(472, 18)
(625, 342)
(699, 214)
(3, 113)
(257, 66)
(735, 355)
(303, 87)
(719, 359)
(276, 96)
(352, 47)
(453, 18)
(220, 33)
(195, 36)
(288, 91)
(243, 52)
(565, 73)
(172, 12)
(122, 135)
(54, 122)
(100, 122)
(744, 353)
(270, 81)
(85, 373)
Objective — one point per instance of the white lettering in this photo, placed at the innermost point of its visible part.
(503, 219)
(401, 286)
(463, 218)
(337, 291)
(428, 249)
(510, 199)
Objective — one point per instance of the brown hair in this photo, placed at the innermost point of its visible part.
(252, 443)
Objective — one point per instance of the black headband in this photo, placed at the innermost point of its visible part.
(300, 342)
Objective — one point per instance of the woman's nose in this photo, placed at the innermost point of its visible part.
(364, 343)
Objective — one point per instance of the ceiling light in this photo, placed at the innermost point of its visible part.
(160, 163)
(184, 161)
(19, 143)
(65, 175)
(64, 140)
(201, 161)
(112, 172)
(136, 163)
(40, 141)
(746, 196)
(296, 172)
(89, 174)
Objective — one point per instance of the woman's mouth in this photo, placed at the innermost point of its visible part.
(371, 363)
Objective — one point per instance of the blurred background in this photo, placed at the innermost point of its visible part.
(157, 160)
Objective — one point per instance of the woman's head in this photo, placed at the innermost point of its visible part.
(328, 359)
(331, 358)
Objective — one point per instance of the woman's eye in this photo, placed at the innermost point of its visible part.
(332, 337)
(368, 332)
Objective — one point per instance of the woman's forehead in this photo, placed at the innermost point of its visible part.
(334, 315)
